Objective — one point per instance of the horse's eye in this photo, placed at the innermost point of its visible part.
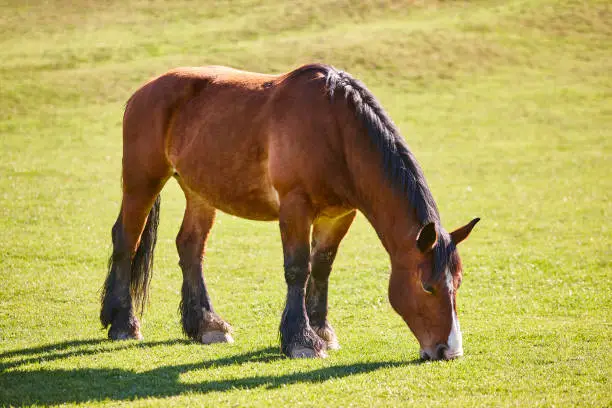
(428, 288)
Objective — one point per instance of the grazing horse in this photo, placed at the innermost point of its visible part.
(307, 148)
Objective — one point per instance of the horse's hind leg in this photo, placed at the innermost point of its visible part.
(297, 337)
(326, 236)
(200, 322)
(130, 263)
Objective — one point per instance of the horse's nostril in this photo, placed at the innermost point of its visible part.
(424, 355)
(440, 351)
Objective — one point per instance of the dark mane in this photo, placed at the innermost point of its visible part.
(400, 165)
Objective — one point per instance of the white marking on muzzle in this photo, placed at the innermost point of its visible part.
(455, 339)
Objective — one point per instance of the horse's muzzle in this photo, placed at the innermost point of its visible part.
(441, 352)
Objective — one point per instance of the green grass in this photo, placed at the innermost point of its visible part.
(506, 104)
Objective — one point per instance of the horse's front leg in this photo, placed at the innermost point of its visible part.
(297, 337)
(200, 322)
(327, 233)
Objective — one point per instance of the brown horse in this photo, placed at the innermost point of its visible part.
(307, 148)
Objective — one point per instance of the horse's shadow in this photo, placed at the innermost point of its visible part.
(57, 386)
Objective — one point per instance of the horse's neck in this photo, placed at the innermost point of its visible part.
(392, 220)
(388, 210)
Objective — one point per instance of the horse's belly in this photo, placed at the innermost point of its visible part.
(243, 194)
(262, 205)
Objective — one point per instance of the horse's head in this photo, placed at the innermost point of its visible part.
(425, 292)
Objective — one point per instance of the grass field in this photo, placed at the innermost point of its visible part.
(506, 104)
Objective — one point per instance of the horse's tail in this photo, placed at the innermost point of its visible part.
(142, 263)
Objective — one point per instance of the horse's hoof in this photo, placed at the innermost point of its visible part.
(328, 335)
(215, 336)
(125, 335)
(306, 352)
(333, 344)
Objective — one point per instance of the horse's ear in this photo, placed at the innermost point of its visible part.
(427, 238)
(462, 233)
